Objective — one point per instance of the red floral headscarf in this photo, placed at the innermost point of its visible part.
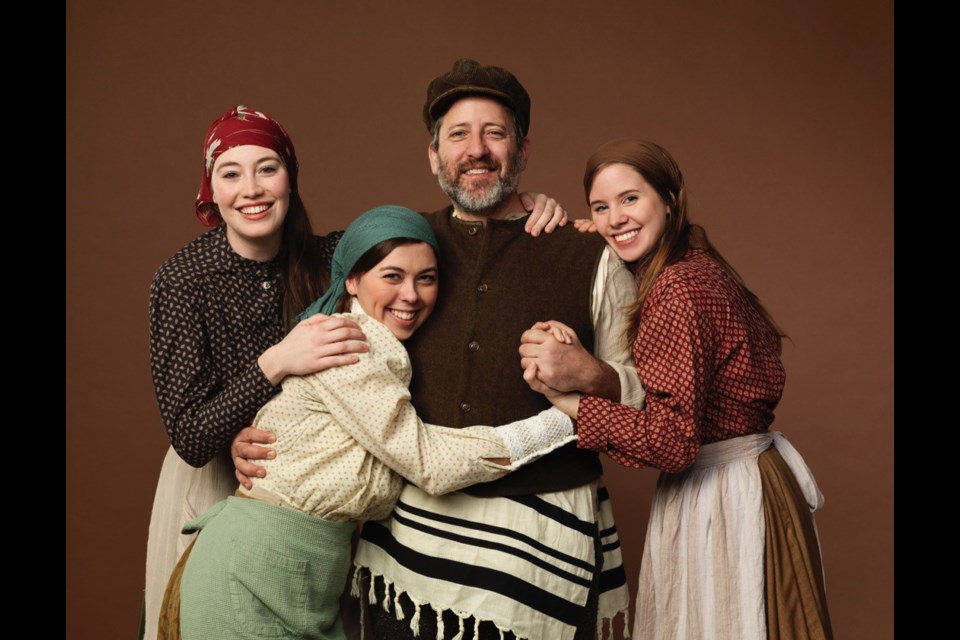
(235, 128)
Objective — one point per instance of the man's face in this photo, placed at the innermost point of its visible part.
(478, 160)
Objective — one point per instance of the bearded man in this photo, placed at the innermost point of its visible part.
(534, 554)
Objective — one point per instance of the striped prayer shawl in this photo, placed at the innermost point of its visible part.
(525, 563)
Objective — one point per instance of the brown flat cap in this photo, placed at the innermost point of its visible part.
(470, 78)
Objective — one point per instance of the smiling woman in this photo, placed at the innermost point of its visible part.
(219, 312)
(273, 560)
(400, 291)
(628, 212)
(251, 189)
(735, 501)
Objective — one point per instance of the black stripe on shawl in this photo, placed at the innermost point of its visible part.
(509, 533)
(557, 514)
(482, 578)
(613, 579)
(610, 546)
(497, 546)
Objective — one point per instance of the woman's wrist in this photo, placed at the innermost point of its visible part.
(270, 366)
(568, 403)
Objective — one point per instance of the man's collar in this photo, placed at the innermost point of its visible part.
(509, 216)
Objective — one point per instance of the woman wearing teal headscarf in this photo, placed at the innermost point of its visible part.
(272, 561)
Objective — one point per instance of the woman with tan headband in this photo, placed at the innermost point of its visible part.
(731, 551)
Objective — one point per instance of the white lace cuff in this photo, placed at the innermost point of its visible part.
(536, 436)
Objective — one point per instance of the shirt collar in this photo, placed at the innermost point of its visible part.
(230, 259)
(510, 216)
(355, 307)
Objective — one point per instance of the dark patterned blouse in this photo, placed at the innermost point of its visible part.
(212, 313)
(709, 363)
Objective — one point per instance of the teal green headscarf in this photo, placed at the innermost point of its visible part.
(370, 229)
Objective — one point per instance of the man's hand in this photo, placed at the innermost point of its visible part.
(247, 446)
(565, 365)
(546, 214)
(584, 225)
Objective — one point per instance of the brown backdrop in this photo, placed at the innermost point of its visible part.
(781, 115)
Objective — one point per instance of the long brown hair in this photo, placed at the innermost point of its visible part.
(304, 271)
(661, 171)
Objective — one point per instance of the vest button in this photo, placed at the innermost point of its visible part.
(465, 407)
(474, 346)
(483, 288)
(473, 230)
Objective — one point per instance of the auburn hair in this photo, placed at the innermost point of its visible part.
(660, 170)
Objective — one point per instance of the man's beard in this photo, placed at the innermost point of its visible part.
(480, 201)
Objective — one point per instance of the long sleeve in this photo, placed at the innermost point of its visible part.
(201, 411)
(370, 401)
(614, 288)
(212, 314)
(710, 365)
(669, 354)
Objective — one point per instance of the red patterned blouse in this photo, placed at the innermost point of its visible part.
(710, 366)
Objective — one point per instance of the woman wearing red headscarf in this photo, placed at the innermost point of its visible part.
(220, 312)
(220, 309)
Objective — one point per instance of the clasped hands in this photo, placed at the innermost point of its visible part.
(556, 364)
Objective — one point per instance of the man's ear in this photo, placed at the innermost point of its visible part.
(524, 153)
(433, 156)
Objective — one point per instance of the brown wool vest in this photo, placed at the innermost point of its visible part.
(495, 283)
